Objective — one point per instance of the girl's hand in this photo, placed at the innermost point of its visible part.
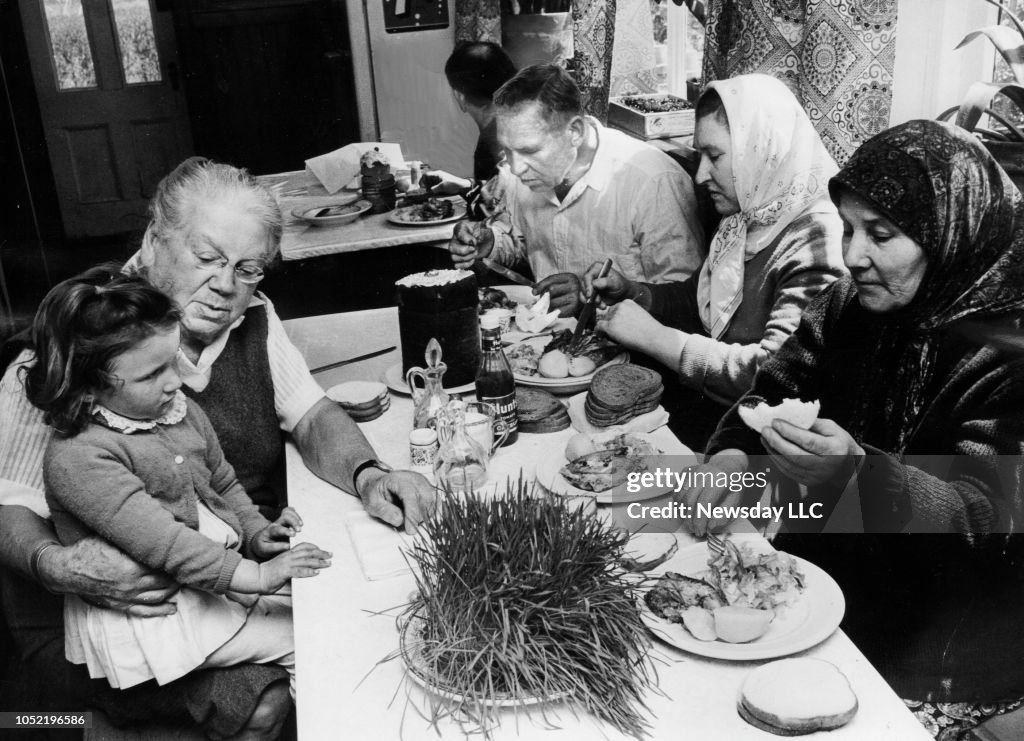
(274, 537)
(303, 560)
(611, 289)
(824, 453)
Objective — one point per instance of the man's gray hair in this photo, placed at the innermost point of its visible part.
(199, 180)
(546, 84)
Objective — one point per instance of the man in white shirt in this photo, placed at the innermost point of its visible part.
(575, 192)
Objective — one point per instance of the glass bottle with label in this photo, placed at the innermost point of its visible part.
(494, 382)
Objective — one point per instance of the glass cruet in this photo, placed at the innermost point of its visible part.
(461, 462)
(431, 397)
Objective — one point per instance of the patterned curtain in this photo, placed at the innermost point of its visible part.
(593, 34)
(635, 66)
(478, 20)
(836, 55)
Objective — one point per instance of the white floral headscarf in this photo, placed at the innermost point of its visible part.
(781, 171)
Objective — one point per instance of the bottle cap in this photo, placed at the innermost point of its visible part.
(490, 321)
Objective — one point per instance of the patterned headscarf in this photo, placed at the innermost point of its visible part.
(781, 171)
(943, 189)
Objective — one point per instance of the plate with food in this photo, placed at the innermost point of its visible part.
(344, 212)
(431, 212)
(527, 315)
(593, 465)
(747, 603)
(543, 361)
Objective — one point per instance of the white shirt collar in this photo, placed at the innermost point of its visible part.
(127, 425)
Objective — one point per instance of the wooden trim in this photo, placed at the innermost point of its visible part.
(362, 70)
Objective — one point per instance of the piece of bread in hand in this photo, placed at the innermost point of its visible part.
(793, 697)
(802, 414)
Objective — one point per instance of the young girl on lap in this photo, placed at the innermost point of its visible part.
(137, 464)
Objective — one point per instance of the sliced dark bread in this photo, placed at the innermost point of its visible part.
(618, 387)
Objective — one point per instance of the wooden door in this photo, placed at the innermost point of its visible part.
(114, 114)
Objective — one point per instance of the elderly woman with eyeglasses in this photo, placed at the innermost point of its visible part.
(213, 232)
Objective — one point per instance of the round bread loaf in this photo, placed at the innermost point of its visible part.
(440, 304)
(792, 697)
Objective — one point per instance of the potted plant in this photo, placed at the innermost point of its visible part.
(1007, 142)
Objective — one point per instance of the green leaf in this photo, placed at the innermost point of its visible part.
(1007, 42)
(979, 97)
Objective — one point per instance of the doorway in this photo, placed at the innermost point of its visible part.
(114, 114)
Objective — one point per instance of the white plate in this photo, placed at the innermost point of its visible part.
(394, 380)
(352, 208)
(420, 673)
(400, 216)
(807, 622)
(552, 459)
(568, 385)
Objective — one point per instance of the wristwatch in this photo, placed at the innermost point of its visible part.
(371, 463)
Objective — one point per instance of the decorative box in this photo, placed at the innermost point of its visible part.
(651, 116)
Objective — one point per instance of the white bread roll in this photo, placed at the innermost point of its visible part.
(796, 696)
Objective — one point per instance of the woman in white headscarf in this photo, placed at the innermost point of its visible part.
(777, 246)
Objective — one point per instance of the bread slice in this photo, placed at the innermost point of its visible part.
(792, 697)
(535, 404)
(618, 387)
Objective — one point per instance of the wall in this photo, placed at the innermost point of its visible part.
(931, 74)
(403, 94)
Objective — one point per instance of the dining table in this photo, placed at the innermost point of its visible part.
(298, 191)
(351, 681)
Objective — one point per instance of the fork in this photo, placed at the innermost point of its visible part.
(716, 544)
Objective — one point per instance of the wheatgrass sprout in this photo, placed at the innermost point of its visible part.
(519, 601)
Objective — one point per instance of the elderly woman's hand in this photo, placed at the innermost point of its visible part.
(725, 462)
(399, 498)
(103, 575)
(824, 453)
(612, 289)
(470, 241)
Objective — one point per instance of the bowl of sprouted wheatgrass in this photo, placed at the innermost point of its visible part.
(518, 603)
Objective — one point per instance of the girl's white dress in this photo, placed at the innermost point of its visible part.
(128, 650)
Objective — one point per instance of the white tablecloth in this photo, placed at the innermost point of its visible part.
(345, 626)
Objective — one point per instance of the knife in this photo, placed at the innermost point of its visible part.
(505, 272)
(356, 359)
(587, 313)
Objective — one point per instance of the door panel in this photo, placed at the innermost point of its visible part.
(115, 120)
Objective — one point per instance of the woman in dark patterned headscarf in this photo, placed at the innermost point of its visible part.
(919, 445)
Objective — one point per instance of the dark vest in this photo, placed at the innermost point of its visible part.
(239, 401)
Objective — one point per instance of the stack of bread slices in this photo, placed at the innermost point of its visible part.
(619, 393)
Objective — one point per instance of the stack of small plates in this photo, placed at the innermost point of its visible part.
(363, 400)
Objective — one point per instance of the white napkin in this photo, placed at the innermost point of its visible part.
(648, 422)
(335, 169)
(379, 547)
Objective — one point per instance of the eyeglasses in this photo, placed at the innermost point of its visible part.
(247, 271)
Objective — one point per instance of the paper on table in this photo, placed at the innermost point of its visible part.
(335, 169)
(378, 547)
(648, 422)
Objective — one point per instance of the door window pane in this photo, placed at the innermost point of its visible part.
(69, 42)
(138, 44)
